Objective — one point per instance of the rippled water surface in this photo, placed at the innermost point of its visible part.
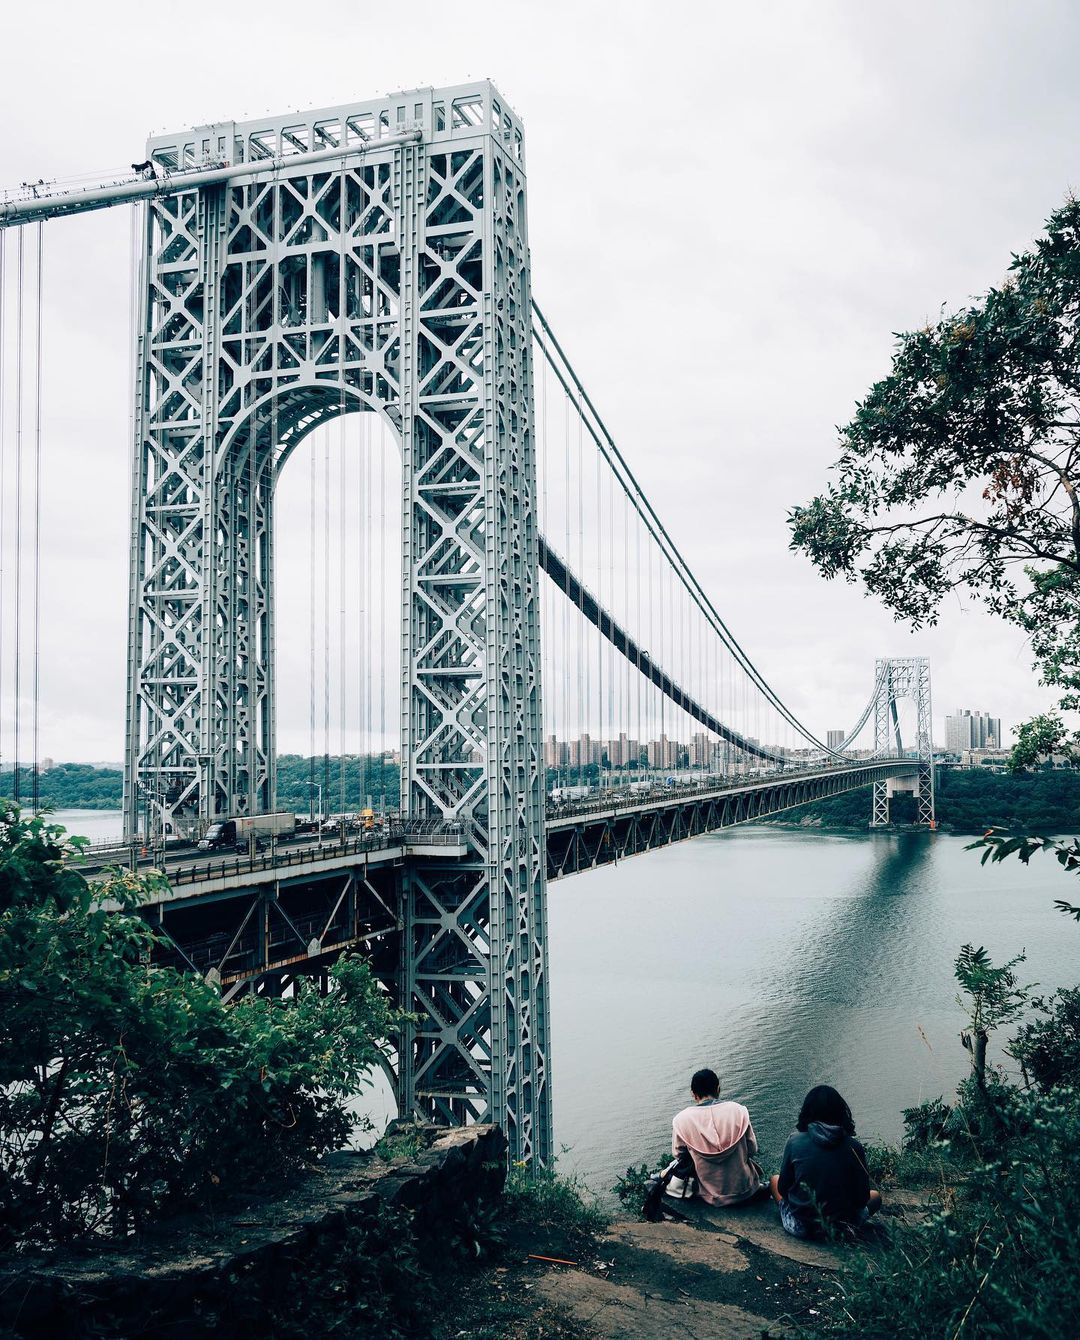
(781, 959)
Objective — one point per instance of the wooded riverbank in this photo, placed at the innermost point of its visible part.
(968, 801)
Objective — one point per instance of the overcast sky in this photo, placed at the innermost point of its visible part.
(732, 207)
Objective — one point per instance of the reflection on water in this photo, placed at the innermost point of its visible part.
(782, 959)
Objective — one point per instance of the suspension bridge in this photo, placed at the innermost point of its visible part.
(566, 693)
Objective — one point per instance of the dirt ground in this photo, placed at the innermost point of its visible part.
(720, 1275)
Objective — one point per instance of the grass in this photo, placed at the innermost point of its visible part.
(403, 1141)
(553, 1202)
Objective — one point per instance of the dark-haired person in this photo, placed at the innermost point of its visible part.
(721, 1141)
(823, 1177)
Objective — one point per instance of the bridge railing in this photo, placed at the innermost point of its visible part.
(411, 832)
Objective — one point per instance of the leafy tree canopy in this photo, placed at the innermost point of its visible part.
(129, 1090)
(960, 468)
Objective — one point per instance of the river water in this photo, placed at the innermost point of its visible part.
(781, 958)
(97, 825)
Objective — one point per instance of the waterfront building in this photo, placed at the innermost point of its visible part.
(972, 730)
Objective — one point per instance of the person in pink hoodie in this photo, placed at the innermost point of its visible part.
(721, 1141)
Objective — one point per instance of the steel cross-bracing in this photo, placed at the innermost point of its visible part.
(381, 265)
(895, 678)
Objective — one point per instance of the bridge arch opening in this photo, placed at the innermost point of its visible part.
(336, 604)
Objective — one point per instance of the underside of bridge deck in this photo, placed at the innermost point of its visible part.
(608, 834)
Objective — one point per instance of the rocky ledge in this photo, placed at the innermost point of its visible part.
(207, 1274)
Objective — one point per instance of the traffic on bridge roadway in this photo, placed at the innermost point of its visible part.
(190, 870)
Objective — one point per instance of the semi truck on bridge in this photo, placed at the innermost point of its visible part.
(226, 833)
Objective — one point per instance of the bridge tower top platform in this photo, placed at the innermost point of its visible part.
(460, 111)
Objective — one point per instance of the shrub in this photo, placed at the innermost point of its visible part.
(129, 1090)
(1048, 1049)
(632, 1185)
(1000, 1259)
(925, 1124)
(544, 1198)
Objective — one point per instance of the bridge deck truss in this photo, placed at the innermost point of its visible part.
(604, 835)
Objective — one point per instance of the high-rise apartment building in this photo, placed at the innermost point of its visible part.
(623, 752)
(834, 739)
(662, 753)
(556, 753)
(700, 750)
(972, 730)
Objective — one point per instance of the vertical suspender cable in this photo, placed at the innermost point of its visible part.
(326, 618)
(544, 605)
(608, 648)
(313, 592)
(342, 578)
(3, 470)
(567, 654)
(583, 659)
(598, 639)
(18, 512)
(370, 635)
(384, 641)
(369, 606)
(37, 524)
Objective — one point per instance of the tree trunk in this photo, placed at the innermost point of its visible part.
(978, 1057)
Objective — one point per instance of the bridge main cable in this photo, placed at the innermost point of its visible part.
(582, 599)
(597, 429)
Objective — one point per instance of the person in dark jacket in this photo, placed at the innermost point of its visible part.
(823, 1179)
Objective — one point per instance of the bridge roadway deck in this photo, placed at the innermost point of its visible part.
(264, 917)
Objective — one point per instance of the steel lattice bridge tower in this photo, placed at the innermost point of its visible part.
(393, 280)
(374, 259)
(895, 678)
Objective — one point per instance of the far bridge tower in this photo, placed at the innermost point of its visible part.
(904, 677)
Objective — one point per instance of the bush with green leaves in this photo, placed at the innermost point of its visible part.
(926, 1124)
(999, 1258)
(1048, 1046)
(129, 1090)
(546, 1199)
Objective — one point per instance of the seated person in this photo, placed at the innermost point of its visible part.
(823, 1178)
(721, 1142)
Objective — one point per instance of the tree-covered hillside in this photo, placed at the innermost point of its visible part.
(68, 786)
(79, 786)
(969, 801)
(366, 775)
